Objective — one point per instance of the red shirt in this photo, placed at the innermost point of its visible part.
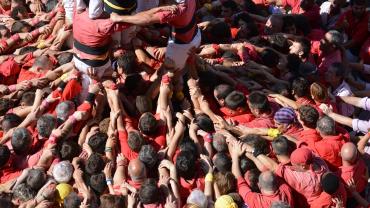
(329, 149)
(9, 172)
(304, 101)
(313, 14)
(308, 136)
(187, 186)
(358, 172)
(365, 52)
(261, 122)
(242, 118)
(9, 71)
(158, 139)
(258, 200)
(123, 136)
(326, 200)
(357, 28)
(181, 18)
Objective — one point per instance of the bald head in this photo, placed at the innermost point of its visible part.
(267, 181)
(136, 170)
(349, 152)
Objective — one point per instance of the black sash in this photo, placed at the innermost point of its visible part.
(101, 50)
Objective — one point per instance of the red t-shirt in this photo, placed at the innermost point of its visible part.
(325, 200)
(313, 14)
(125, 149)
(357, 28)
(308, 136)
(9, 71)
(261, 122)
(357, 172)
(329, 149)
(9, 172)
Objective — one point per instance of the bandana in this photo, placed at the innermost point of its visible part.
(285, 116)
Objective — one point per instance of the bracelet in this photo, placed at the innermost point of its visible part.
(44, 104)
(273, 132)
(108, 149)
(109, 181)
(53, 139)
(209, 177)
(217, 48)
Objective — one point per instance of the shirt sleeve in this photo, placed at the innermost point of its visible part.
(244, 190)
(360, 125)
(365, 103)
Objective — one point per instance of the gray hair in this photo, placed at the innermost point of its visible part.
(63, 109)
(337, 37)
(23, 192)
(197, 197)
(279, 204)
(326, 125)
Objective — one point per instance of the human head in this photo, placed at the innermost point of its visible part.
(358, 8)
(301, 159)
(72, 201)
(97, 142)
(335, 74)
(331, 41)
(65, 109)
(225, 201)
(62, 172)
(300, 47)
(5, 105)
(289, 25)
(98, 183)
(23, 193)
(21, 141)
(318, 92)
(257, 142)
(111, 201)
(219, 143)
(221, 92)
(282, 146)
(349, 153)
(308, 70)
(148, 123)
(19, 13)
(236, 101)
(43, 63)
(326, 126)
(308, 116)
(300, 87)
(267, 182)
(4, 155)
(204, 122)
(137, 170)
(197, 197)
(20, 27)
(219, 32)
(95, 164)
(247, 26)
(307, 4)
(27, 99)
(135, 140)
(6, 203)
(269, 58)
(330, 182)
(258, 103)
(36, 178)
(126, 64)
(226, 182)
(273, 24)
(45, 125)
(27, 49)
(149, 192)
(222, 162)
(69, 149)
(284, 118)
(64, 58)
(185, 164)
(143, 104)
(229, 7)
(148, 155)
(4, 32)
(10, 120)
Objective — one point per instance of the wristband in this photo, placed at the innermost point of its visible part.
(108, 149)
(122, 163)
(273, 132)
(209, 177)
(109, 181)
(15, 37)
(217, 48)
(44, 104)
(166, 79)
(91, 98)
(208, 138)
(12, 88)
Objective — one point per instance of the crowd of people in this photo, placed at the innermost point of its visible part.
(184, 103)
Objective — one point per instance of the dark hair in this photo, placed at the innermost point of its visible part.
(259, 101)
(13, 119)
(288, 21)
(72, 201)
(7, 35)
(326, 125)
(257, 142)
(132, 81)
(302, 24)
(36, 178)
(269, 58)
(308, 116)
(28, 98)
(6, 203)
(279, 204)
(253, 176)
(226, 182)
(223, 90)
(293, 62)
(188, 145)
(358, 2)
(69, 149)
(27, 49)
(127, 63)
(282, 146)
(246, 164)
(94, 164)
(222, 162)
(148, 155)
(143, 104)
(235, 100)
(204, 122)
(21, 141)
(45, 125)
(339, 69)
(330, 182)
(65, 58)
(97, 142)
(301, 87)
(251, 25)
(5, 105)
(220, 33)
(185, 165)
(279, 42)
(50, 5)
(23, 192)
(149, 192)
(17, 27)
(17, 10)
(230, 4)
(306, 46)
(4, 155)
(135, 140)
(111, 201)
(97, 183)
(148, 123)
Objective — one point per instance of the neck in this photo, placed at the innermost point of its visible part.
(283, 159)
(267, 192)
(346, 163)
